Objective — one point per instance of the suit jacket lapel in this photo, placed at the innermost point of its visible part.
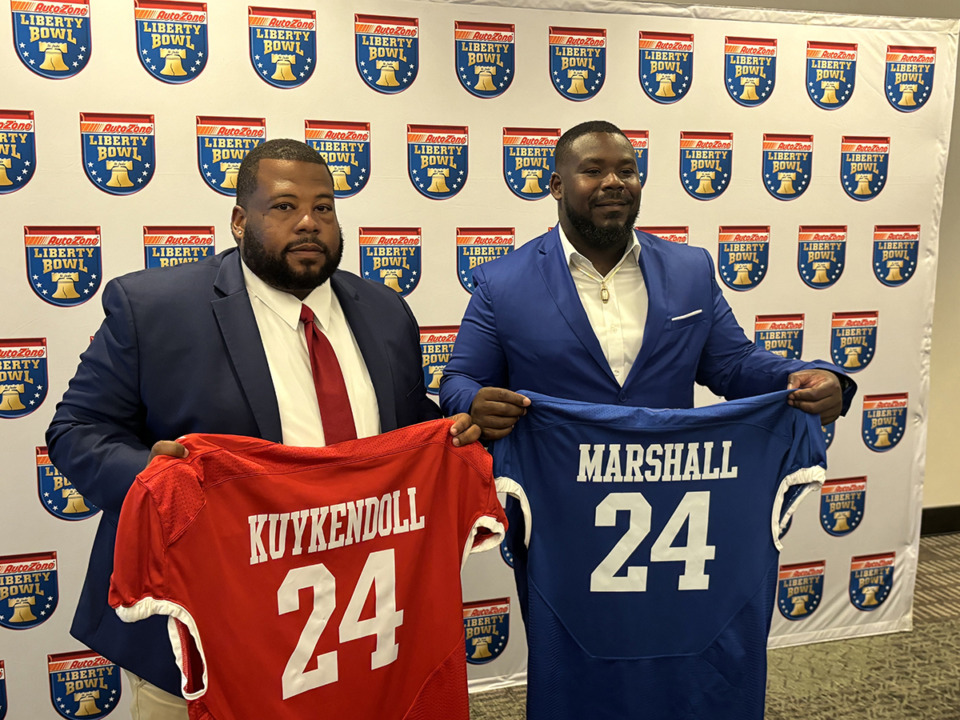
(656, 281)
(242, 339)
(374, 354)
(555, 271)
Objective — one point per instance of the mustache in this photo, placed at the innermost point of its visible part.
(307, 240)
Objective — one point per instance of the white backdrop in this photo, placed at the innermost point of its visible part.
(153, 194)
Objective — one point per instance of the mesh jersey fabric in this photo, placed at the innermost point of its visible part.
(652, 542)
(311, 582)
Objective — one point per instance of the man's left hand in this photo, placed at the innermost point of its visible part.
(464, 430)
(816, 392)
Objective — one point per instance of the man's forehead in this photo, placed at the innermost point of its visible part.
(595, 145)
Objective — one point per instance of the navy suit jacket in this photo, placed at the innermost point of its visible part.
(179, 352)
(525, 329)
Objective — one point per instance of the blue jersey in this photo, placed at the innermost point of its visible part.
(652, 546)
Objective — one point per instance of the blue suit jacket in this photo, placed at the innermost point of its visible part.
(179, 352)
(525, 328)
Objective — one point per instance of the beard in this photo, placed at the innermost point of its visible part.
(600, 237)
(274, 270)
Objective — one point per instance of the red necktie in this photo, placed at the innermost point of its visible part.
(335, 413)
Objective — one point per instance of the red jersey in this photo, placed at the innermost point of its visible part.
(311, 582)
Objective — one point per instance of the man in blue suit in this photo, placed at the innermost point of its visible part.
(218, 346)
(596, 311)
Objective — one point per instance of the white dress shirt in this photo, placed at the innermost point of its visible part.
(278, 319)
(618, 323)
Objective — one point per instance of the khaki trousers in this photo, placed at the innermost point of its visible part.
(148, 702)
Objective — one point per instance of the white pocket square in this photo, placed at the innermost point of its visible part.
(684, 317)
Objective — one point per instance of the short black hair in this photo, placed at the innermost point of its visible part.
(577, 131)
(279, 149)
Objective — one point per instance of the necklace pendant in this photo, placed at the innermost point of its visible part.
(604, 294)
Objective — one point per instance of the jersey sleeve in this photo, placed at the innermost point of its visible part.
(140, 586)
(804, 465)
(482, 515)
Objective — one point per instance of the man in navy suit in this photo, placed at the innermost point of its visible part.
(218, 347)
(596, 311)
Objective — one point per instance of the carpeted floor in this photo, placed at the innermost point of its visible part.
(903, 676)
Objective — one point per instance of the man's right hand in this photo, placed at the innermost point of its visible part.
(167, 447)
(496, 411)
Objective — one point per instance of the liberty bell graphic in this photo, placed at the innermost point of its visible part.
(119, 173)
(531, 179)
(577, 84)
(485, 75)
(75, 502)
(706, 181)
(388, 73)
(53, 55)
(666, 81)
(172, 61)
(786, 183)
(893, 270)
(743, 273)
(863, 183)
(230, 171)
(21, 608)
(391, 278)
(284, 63)
(853, 356)
(5, 164)
(11, 397)
(438, 179)
(340, 173)
(65, 285)
(749, 85)
(799, 605)
(481, 647)
(870, 595)
(829, 88)
(907, 91)
(820, 272)
(87, 704)
(840, 518)
(883, 436)
(437, 372)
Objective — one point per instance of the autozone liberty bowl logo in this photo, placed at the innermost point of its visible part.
(83, 684)
(706, 163)
(438, 159)
(821, 254)
(871, 580)
(780, 334)
(18, 149)
(283, 45)
(528, 160)
(864, 165)
(486, 628)
(168, 245)
(52, 39)
(387, 51)
(666, 65)
(831, 73)
(800, 589)
(787, 164)
(884, 420)
(485, 57)
(853, 339)
(391, 256)
(476, 246)
(64, 264)
(750, 69)
(744, 255)
(222, 144)
(436, 346)
(578, 61)
(23, 376)
(842, 504)
(57, 494)
(119, 151)
(895, 253)
(345, 146)
(171, 39)
(909, 76)
(29, 590)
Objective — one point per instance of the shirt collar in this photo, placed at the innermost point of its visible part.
(575, 258)
(287, 306)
